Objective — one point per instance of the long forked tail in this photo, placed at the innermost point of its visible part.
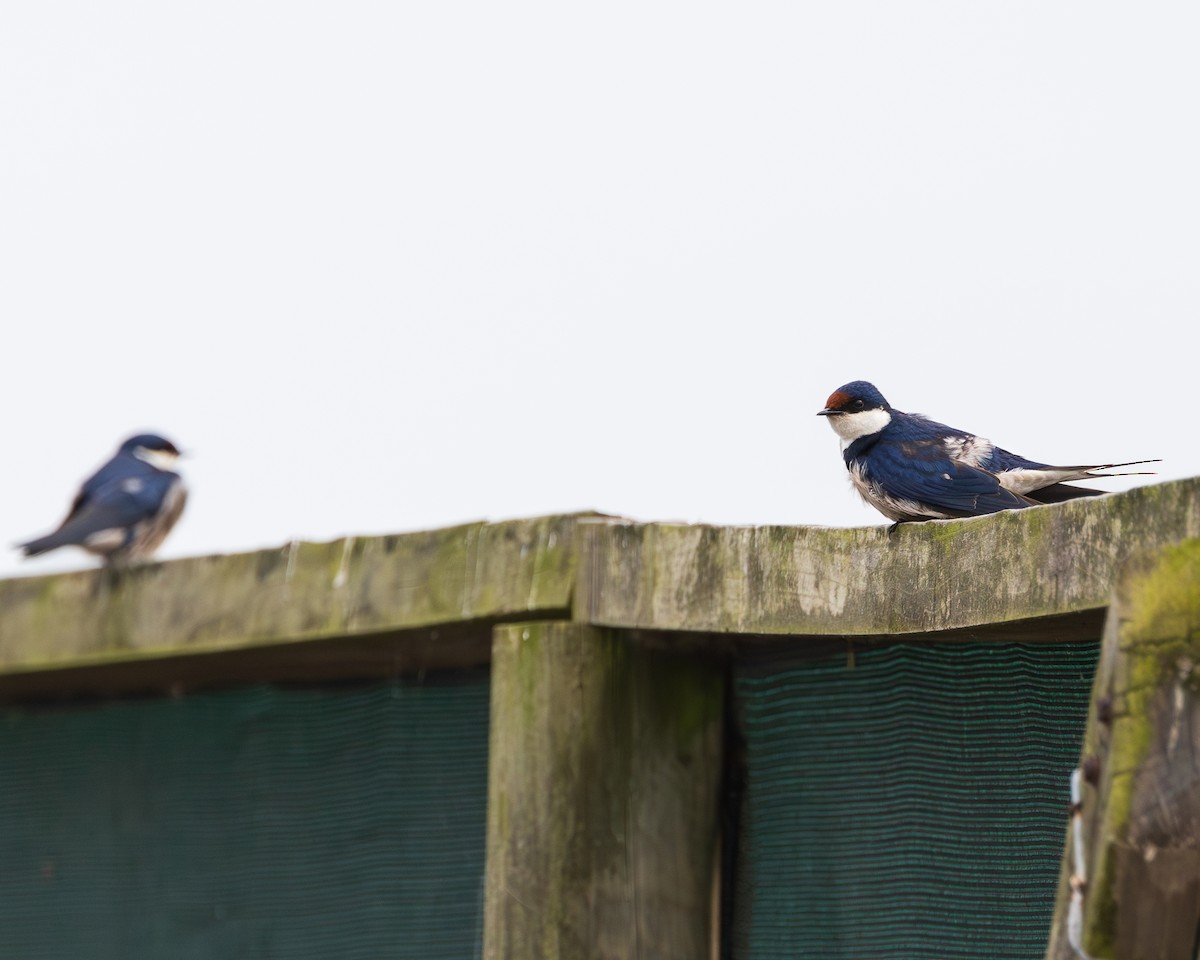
(1124, 473)
(1062, 491)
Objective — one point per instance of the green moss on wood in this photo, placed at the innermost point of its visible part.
(1166, 603)
(1100, 936)
(1012, 566)
(299, 591)
(1158, 639)
(925, 578)
(605, 759)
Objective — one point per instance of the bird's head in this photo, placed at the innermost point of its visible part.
(155, 450)
(856, 410)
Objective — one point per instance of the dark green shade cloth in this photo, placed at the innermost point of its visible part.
(905, 801)
(284, 823)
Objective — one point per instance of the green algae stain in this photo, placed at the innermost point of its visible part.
(1166, 601)
(1161, 638)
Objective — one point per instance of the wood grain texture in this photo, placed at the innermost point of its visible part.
(298, 592)
(925, 578)
(1027, 565)
(1142, 819)
(602, 809)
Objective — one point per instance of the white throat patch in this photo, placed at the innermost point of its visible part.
(159, 459)
(851, 426)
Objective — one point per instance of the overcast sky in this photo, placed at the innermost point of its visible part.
(391, 266)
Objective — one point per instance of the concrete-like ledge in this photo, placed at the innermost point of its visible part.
(300, 592)
(924, 578)
(429, 599)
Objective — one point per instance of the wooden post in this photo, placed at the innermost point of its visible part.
(1142, 756)
(602, 797)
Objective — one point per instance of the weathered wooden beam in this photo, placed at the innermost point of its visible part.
(605, 761)
(1008, 568)
(924, 578)
(1142, 750)
(381, 656)
(299, 592)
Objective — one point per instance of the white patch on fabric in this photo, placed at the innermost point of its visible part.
(851, 426)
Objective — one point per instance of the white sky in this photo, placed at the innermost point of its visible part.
(385, 267)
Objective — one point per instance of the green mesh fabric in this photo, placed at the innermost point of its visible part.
(907, 802)
(337, 823)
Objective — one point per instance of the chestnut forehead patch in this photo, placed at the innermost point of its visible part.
(837, 400)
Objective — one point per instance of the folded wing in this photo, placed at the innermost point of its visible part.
(920, 472)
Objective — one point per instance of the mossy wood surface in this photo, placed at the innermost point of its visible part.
(924, 578)
(605, 760)
(357, 587)
(428, 600)
(1142, 816)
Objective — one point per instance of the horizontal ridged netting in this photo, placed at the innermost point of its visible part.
(292, 823)
(906, 801)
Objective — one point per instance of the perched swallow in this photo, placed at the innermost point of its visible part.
(126, 508)
(911, 468)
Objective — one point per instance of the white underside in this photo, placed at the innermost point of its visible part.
(894, 508)
(147, 535)
(1025, 481)
(105, 542)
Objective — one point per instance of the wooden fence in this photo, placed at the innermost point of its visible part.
(610, 644)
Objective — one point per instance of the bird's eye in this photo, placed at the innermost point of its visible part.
(857, 405)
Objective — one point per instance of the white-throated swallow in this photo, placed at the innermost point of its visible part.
(125, 510)
(911, 468)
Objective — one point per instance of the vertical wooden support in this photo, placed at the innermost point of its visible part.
(603, 787)
(1142, 756)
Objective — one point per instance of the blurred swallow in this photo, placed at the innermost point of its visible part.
(125, 510)
(911, 468)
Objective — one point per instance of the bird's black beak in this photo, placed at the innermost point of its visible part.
(828, 413)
